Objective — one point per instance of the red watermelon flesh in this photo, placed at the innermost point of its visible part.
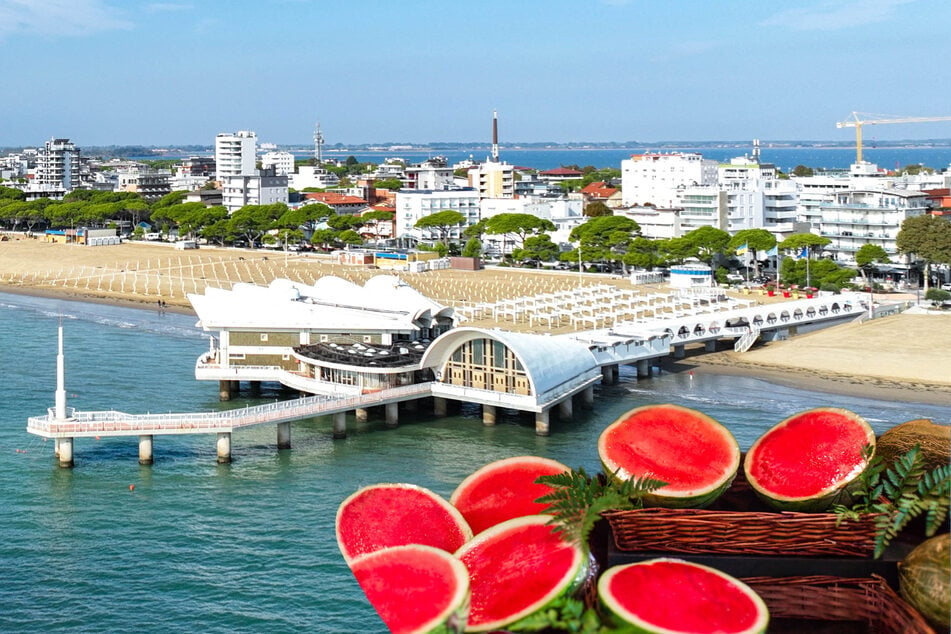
(517, 568)
(802, 462)
(504, 489)
(670, 595)
(415, 588)
(694, 454)
(385, 515)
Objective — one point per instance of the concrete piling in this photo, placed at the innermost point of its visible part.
(284, 435)
(145, 449)
(224, 447)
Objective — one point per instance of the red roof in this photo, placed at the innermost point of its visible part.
(599, 190)
(332, 198)
(561, 171)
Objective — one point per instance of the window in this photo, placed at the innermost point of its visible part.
(263, 336)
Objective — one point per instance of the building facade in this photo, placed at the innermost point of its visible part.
(57, 166)
(412, 205)
(235, 154)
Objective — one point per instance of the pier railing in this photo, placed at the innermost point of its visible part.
(116, 423)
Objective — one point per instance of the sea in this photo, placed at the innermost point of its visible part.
(784, 158)
(190, 545)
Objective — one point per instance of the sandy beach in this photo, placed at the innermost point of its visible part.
(902, 357)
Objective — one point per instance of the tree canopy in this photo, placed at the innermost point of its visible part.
(927, 237)
(441, 223)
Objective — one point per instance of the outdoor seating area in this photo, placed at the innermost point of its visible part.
(598, 306)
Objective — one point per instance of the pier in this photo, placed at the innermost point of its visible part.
(637, 343)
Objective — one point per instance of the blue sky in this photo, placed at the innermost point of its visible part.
(106, 72)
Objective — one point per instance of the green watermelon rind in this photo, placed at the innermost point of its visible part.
(838, 493)
(636, 625)
(701, 497)
(493, 468)
(569, 584)
(452, 511)
(452, 619)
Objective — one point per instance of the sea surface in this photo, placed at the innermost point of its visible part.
(249, 546)
(785, 158)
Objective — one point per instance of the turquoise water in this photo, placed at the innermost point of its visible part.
(248, 547)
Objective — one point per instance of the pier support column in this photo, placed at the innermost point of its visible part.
(609, 374)
(284, 435)
(488, 415)
(565, 409)
(440, 406)
(56, 447)
(224, 447)
(541, 423)
(224, 390)
(679, 352)
(710, 346)
(66, 453)
(145, 449)
(587, 397)
(361, 414)
(643, 368)
(392, 414)
(340, 425)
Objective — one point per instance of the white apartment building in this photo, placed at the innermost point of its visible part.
(57, 167)
(311, 176)
(238, 191)
(434, 173)
(411, 205)
(658, 178)
(235, 154)
(493, 180)
(655, 223)
(565, 214)
(282, 162)
(856, 217)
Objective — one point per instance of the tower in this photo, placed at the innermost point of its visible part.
(318, 143)
(495, 137)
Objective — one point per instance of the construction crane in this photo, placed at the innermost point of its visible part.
(862, 118)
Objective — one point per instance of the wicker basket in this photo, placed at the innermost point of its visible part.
(741, 532)
(869, 601)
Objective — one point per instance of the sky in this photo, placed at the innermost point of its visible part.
(134, 72)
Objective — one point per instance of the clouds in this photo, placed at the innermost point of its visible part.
(833, 16)
(59, 17)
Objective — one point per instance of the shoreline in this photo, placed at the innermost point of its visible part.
(827, 383)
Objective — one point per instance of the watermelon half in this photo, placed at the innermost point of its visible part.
(672, 596)
(694, 454)
(415, 588)
(385, 515)
(504, 489)
(807, 462)
(517, 568)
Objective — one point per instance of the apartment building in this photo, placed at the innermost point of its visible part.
(57, 167)
(235, 154)
(411, 205)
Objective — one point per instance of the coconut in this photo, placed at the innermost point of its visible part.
(924, 579)
(934, 440)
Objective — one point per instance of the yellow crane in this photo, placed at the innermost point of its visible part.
(861, 118)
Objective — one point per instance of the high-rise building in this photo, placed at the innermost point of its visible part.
(235, 154)
(57, 166)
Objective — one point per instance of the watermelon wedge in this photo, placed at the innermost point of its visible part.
(415, 589)
(807, 462)
(517, 568)
(671, 596)
(385, 515)
(504, 489)
(694, 454)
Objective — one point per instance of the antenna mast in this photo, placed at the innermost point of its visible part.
(318, 143)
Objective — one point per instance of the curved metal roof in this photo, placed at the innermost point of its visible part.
(549, 362)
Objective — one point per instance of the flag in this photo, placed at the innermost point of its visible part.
(803, 253)
(772, 252)
(742, 249)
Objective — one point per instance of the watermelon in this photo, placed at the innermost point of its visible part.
(504, 489)
(668, 596)
(415, 588)
(518, 568)
(807, 461)
(385, 515)
(924, 580)
(695, 455)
